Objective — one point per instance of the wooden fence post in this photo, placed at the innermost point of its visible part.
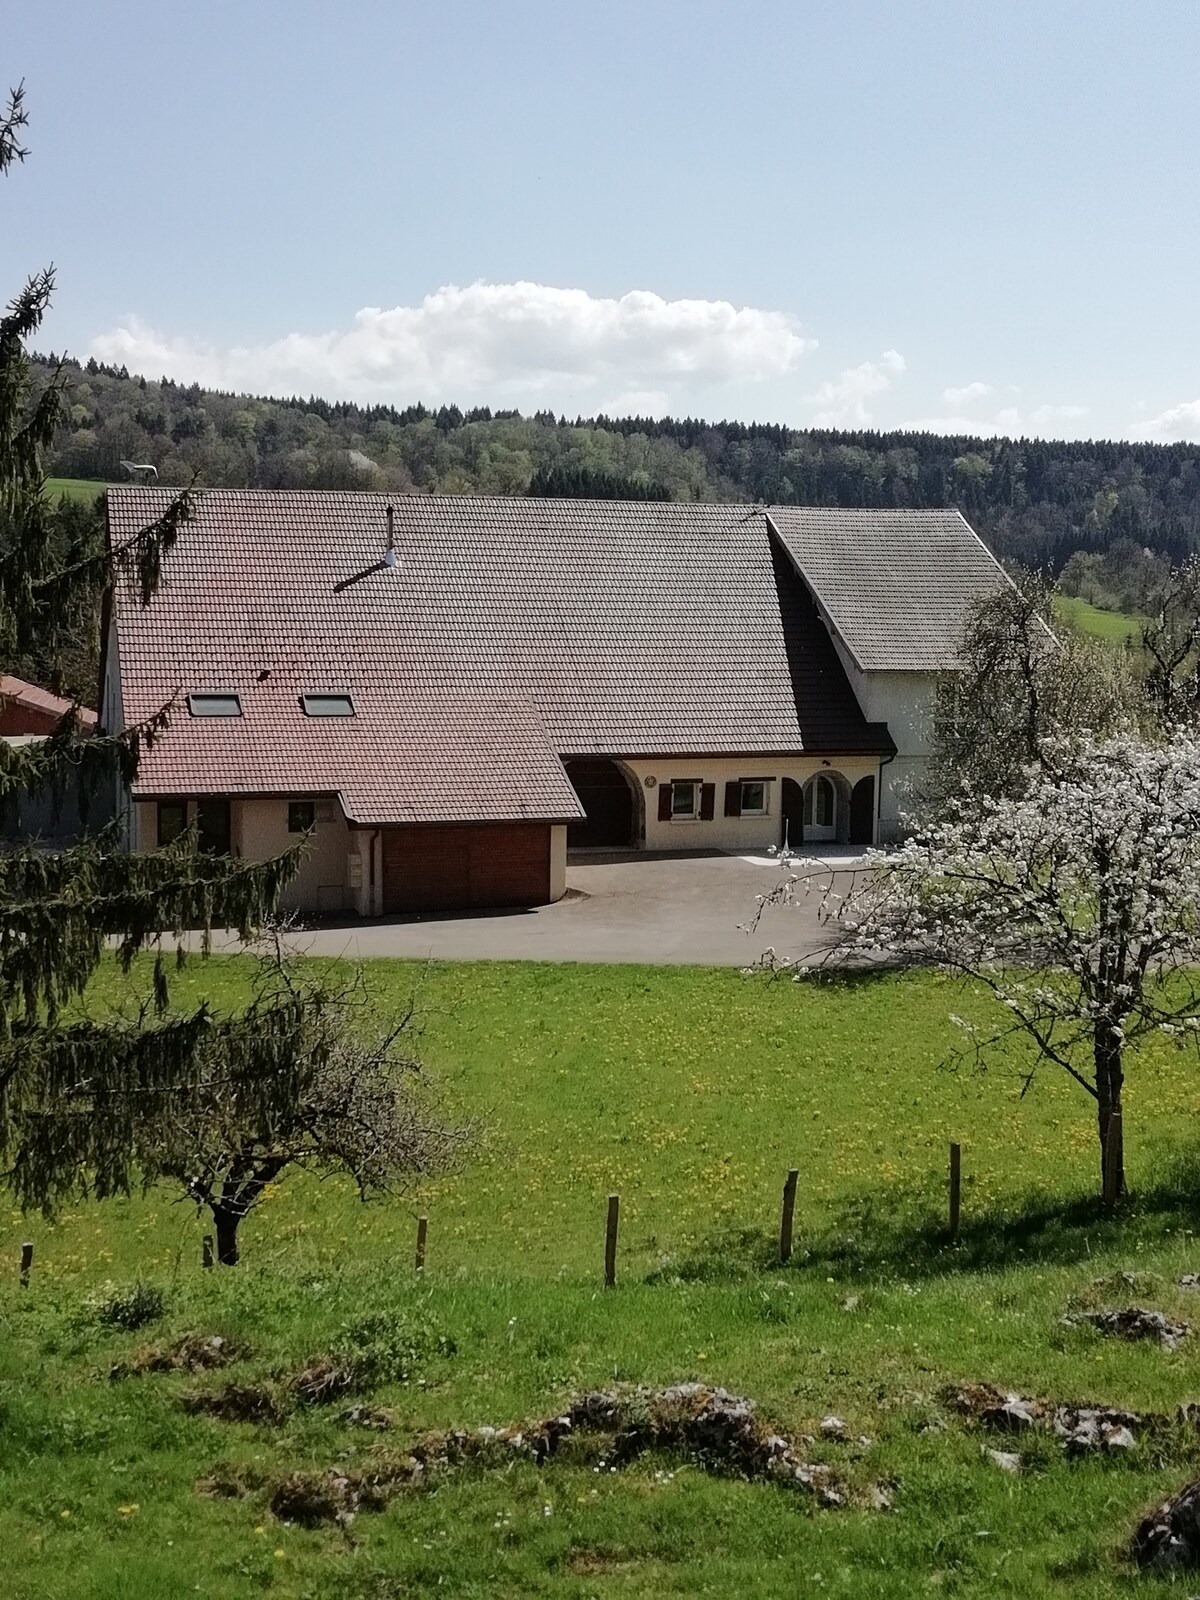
(789, 1213)
(610, 1241)
(206, 1252)
(955, 1189)
(26, 1263)
(422, 1228)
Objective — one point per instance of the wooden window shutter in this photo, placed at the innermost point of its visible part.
(664, 802)
(733, 798)
(708, 801)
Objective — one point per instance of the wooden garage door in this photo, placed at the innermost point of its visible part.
(480, 864)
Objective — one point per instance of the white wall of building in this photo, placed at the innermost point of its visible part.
(558, 860)
(325, 881)
(906, 701)
(742, 834)
(260, 831)
(112, 720)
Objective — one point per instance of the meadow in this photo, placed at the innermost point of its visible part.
(691, 1093)
(74, 488)
(1116, 627)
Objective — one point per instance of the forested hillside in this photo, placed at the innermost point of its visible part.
(1034, 500)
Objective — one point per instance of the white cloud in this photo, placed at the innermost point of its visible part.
(950, 424)
(843, 402)
(636, 403)
(968, 393)
(1178, 422)
(517, 343)
(1043, 417)
(1044, 421)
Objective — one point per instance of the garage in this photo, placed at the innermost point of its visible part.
(466, 867)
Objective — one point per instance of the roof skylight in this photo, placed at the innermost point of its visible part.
(215, 705)
(327, 705)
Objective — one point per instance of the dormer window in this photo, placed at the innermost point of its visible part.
(215, 705)
(327, 705)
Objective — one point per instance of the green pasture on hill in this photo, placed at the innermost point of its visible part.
(74, 488)
(1115, 626)
(691, 1093)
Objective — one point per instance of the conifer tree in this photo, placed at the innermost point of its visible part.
(83, 1101)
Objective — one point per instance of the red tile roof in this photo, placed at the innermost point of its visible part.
(15, 693)
(618, 629)
(396, 760)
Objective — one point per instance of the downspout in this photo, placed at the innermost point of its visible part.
(376, 842)
(885, 761)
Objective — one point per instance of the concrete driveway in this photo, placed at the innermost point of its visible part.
(666, 910)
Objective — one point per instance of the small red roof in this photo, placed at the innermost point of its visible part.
(29, 697)
(400, 758)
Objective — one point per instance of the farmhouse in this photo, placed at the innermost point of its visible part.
(440, 695)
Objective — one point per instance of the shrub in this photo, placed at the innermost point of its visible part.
(132, 1308)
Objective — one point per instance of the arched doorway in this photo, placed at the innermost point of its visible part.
(862, 812)
(820, 809)
(608, 798)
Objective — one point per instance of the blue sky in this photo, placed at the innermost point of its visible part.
(953, 215)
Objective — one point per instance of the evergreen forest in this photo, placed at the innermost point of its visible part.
(1036, 501)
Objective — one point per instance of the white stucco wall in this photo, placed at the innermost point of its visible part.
(742, 834)
(558, 861)
(259, 831)
(112, 720)
(906, 702)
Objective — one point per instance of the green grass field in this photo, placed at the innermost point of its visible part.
(1115, 626)
(691, 1093)
(74, 488)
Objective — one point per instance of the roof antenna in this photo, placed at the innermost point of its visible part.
(389, 550)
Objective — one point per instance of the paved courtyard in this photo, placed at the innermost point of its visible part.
(669, 910)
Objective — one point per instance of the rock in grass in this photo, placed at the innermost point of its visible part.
(191, 1352)
(1080, 1429)
(720, 1431)
(1006, 1460)
(1168, 1540)
(1133, 1322)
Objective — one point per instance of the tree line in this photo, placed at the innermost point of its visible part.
(1035, 501)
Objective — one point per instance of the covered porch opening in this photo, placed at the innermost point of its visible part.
(828, 809)
(611, 801)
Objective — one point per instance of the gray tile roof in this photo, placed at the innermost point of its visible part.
(623, 629)
(896, 585)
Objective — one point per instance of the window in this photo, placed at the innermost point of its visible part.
(754, 797)
(172, 820)
(685, 799)
(214, 705)
(302, 815)
(327, 705)
(213, 827)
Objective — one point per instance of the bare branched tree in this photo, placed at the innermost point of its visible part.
(1020, 688)
(352, 1098)
(1171, 640)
